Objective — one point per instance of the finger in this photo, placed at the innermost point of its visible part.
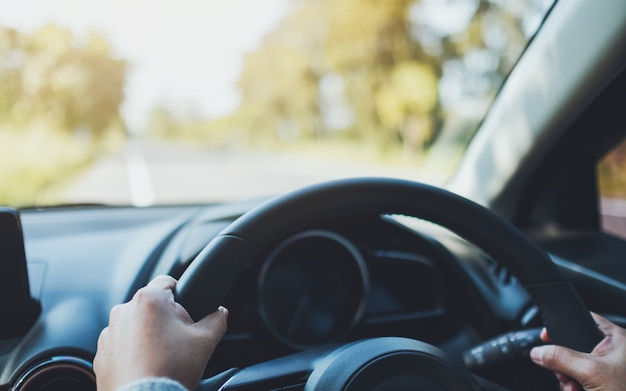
(116, 312)
(562, 360)
(544, 335)
(162, 282)
(103, 338)
(216, 320)
(102, 343)
(566, 383)
(570, 385)
(562, 378)
(605, 325)
(213, 326)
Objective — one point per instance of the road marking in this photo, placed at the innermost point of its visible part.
(139, 182)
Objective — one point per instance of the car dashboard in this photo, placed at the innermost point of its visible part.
(337, 281)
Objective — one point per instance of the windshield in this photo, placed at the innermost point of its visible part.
(157, 102)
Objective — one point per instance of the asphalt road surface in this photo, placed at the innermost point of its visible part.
(150, 172)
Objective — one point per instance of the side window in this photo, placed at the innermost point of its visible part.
(612, 190)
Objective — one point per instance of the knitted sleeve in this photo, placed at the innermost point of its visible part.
(154, 384)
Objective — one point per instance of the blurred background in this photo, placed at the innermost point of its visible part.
(153, 101)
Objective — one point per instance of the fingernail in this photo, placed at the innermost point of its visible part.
(536, 354)
(224, 312)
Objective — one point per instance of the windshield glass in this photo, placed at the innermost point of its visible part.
(156, 102)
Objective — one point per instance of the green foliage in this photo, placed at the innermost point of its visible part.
(368, 33)
(59, 103)
(368, 44)
(407, 102)
(391, 57)
(51, 76)
(398, 71)
(11, 53)
(218, 133)
(279, 82)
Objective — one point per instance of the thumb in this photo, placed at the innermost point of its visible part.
(561, 360)
(213, 326)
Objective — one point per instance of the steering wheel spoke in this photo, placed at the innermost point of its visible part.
(284, 372)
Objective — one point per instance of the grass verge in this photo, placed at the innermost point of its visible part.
(36, 163)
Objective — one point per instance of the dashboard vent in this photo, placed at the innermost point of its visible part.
(58, 373)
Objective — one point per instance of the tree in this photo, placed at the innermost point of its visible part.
(390, 80)
(11, 64)
(368, 45)
(280, 81)
(403, 68)
(52, 76)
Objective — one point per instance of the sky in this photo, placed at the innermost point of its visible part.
(186, 54)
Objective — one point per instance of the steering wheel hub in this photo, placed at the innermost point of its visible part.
(389, 363)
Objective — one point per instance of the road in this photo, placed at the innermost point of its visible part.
(151, 172)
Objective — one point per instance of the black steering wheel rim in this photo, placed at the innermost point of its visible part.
(206, 282)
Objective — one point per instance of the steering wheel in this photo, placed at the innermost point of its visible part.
(380, 363)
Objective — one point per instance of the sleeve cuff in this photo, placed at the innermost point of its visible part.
(153, 384)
